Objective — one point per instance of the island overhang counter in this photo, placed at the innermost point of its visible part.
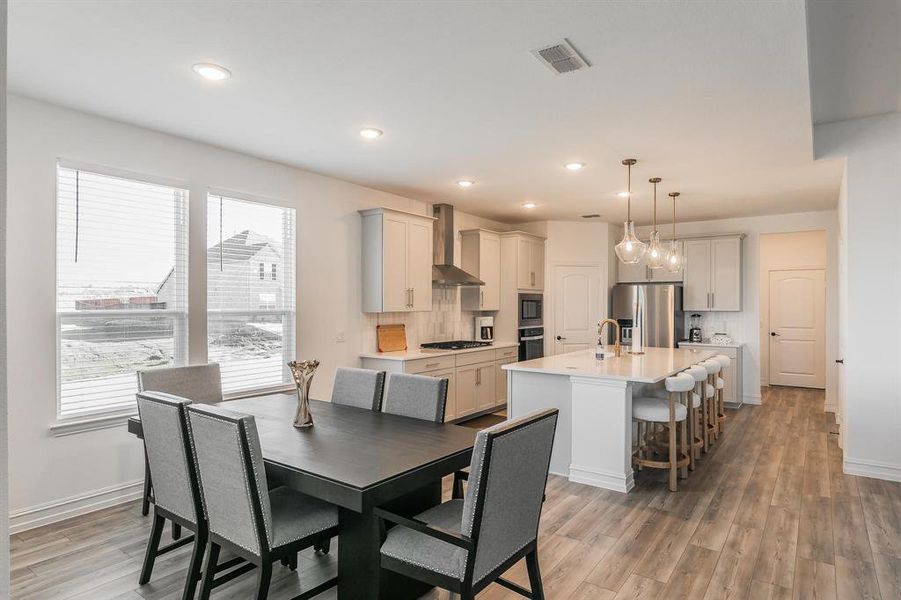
(593, 443)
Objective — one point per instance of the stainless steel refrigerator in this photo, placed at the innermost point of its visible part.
(655, 308)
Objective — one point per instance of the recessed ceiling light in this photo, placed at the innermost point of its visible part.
(212, 72)
(371, 133)
(465, 183)
(575, 166)
(623, 194)
(529, 205)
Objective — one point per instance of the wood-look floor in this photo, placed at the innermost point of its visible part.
(768, 514)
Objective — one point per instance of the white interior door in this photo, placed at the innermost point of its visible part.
(798, 328)
(576, 307)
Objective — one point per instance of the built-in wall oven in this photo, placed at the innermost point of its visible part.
(531, 326)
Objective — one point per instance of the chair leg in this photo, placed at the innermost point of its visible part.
(292, 562)
(209, 570)
(264, 579)
(534, 575)
(684, 448)
(153, 546)
(195, 569)
(176, 531)
(673, 458)
(692, 422)
(145, 500)
(322, 547)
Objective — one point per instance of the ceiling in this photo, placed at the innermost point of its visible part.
(855, 58)
(713, 97)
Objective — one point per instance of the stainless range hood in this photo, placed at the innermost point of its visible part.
(444, 273)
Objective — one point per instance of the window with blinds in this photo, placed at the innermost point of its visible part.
(121, 281)
(250, 292)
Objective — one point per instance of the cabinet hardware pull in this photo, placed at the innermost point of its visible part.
(412, 297)
(479, 376)
(430, 365)
(482, 298)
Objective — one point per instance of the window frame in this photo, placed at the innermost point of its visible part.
(110, 417)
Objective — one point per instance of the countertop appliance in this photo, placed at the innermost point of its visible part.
(484, 329)
(531, 310)
(653, 309)
(694, 333)
(454, 345)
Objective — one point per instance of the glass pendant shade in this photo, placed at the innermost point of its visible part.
(630, 250)
(656, 254)
(674, 259)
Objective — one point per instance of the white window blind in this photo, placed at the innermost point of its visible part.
(250, 316)
(121, 280)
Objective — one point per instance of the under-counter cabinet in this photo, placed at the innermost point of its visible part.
(529, 259)
(732, 391)
(712, 274)
(397, 261)
(481, 256)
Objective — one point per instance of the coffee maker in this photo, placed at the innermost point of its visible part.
(694, 332)
(484, 329)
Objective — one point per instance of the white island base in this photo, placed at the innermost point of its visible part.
(593, 442)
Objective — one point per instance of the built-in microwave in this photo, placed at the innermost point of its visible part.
(531, 310)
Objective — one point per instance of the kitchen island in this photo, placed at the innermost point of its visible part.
(593, 443)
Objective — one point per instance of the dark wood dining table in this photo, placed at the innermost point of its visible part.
(357, 459)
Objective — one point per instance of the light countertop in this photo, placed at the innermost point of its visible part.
(707, 344)
(417, 353)
(654, 365)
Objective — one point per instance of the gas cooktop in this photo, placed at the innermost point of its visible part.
(454, 345)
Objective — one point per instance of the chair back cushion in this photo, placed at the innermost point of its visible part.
(358, 387)
(417, 396)
(201, 384)
(680, 382)
(507, 479)
(713, 367)
(172, 470)
(698, 372)
(232, 476)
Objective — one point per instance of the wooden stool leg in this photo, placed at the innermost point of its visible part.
(673, 457)
(702, 417)
(684, 449)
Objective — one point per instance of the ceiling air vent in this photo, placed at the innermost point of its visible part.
(561, 58)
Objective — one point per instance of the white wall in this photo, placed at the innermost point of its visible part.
(4, 453)
(51, 475)
(871, 214)
(746, 326)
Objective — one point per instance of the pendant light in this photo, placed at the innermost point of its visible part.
(630, 250)
(655, 256)
(674, 258)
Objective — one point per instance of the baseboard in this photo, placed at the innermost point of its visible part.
(751, 399)
(609, 481)
(73, 506)
(872, 468)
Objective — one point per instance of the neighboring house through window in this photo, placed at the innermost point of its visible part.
(119, 242)
(250, 318)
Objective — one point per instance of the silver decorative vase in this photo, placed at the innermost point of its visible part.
(303, 376)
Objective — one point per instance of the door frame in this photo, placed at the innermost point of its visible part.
(550, 292)
(768, 324)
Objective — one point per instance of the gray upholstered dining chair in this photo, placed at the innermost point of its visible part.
(417, 396)
(257, 525)
(465, 544)
(358, 387)
(198, 383)
(168, 449)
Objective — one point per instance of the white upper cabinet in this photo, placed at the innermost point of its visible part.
(397, 261)
(481, 256)
(712, 274)
(529, 261)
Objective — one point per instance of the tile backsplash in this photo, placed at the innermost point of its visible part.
(446, 321)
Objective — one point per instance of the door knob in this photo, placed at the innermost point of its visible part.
(774, 334)
(560, 337)
(840, 361)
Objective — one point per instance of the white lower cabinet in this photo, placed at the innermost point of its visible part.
(450, 410)
(501, 381)
(475, 388)
(732, 391)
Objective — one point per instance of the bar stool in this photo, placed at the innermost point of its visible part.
(725, 362)
(702, 433)
(649, 410)
(713, 369)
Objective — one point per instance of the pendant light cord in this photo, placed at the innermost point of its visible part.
(629, 199)
(655, 207)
